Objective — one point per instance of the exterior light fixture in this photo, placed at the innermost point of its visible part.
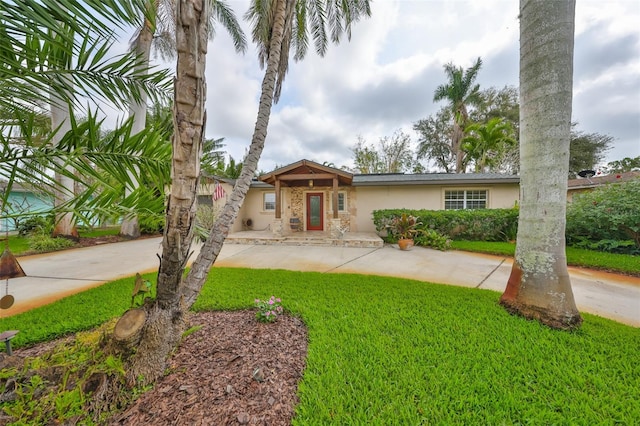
(310, 183)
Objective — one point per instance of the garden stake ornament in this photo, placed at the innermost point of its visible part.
(9, 268)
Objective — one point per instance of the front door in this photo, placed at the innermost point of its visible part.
(315, 211)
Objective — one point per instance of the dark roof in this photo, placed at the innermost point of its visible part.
(433, 179)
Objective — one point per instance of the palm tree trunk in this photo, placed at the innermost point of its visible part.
(61, 124)
(211, 248)
(130, 227)
(456, 145)
(165, 317)
(539, 286)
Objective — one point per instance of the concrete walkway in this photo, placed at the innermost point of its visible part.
(56, 275)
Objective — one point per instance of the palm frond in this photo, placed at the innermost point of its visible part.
(225, 16)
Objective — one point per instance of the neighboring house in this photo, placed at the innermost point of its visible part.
(576, 186)
(302, 196)
(21, 200)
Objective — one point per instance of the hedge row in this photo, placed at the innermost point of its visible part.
(604, 219)
(479, 225)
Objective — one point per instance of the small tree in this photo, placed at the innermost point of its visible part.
(627, 164)
(586, 150)
(434, 139)
(392, 155)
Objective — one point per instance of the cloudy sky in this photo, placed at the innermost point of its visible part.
(384, 78)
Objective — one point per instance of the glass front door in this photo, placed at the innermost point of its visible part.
(314, 211)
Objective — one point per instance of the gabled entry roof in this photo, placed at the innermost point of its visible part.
(303, 171)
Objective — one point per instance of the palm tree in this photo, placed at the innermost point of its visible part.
(231, 170)
(213, 156)
(278, 25)
(56, 51)
(26, 81)
(61, 112)
(159, 30)
(486, 143)
(460, 92)
(539, 286)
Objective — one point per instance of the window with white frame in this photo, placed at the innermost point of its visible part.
(460, 199)
(342, 201)
(269, 201)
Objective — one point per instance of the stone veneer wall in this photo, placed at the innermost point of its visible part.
(297, 204)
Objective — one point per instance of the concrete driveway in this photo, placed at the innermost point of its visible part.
(56, 275)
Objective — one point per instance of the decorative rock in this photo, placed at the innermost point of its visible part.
(243, 418)
(257, 375)
(187, 388)
(229, 389)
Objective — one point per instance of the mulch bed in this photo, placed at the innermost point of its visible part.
(234, 370)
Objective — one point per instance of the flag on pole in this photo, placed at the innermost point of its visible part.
(218, 191)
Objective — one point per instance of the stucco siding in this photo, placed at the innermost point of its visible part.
(504, 196)
(361, 201)
(428, 197)
(253, 209)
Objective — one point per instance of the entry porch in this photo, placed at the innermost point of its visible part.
(306, 238)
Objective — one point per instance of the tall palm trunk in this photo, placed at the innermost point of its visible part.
(130, 227)
(456, 144)
(61, 124)
(165, 317)
(539, 286)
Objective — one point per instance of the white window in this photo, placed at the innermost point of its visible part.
(465, 199)
(342, 201)
(269, 201)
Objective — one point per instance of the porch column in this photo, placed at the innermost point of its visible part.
(335, 197)
(278, 200)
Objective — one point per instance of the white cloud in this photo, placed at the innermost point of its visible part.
(384, 78)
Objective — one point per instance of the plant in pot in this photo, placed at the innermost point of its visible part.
(405, 228)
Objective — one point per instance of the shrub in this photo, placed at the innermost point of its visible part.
(606, 218)
(433, 239)
(151, 224)
(205, 218)
(40, 224)
(43, 242)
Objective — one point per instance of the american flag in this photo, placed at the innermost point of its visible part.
(218, 191)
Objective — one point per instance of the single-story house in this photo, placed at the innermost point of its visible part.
(308, 196)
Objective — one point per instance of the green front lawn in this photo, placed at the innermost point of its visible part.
(17, 244)
(396, 351)
(624, 263)
(99, 232)
(20, 245)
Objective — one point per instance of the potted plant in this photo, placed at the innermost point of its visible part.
(405, 228)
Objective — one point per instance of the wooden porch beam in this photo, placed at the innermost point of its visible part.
(278, 200)
(308, 176)
(335, 197)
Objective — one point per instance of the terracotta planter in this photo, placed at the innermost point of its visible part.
(405, 244)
